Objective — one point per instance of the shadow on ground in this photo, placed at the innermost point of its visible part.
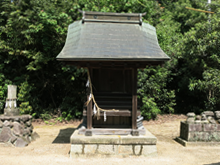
(64, 135)
(213, 164)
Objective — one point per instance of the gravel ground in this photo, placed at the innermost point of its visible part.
(53, 148)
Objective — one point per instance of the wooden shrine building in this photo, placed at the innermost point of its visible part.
(112, 46)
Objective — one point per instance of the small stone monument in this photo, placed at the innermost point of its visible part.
(11, 102)
(190, 117)
(200, 129)
(198, 119)
(15, 129)
(204, 118)
(217, 116)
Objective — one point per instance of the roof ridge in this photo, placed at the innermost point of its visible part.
(91, 16)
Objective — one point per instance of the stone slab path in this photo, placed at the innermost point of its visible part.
(54, 145)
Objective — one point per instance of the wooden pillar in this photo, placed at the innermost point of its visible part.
(134, 102)
(89, 117)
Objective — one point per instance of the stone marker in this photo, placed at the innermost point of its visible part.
(211, 120)
(190, 114)
(204, 119)
(1, 124)
(208, 113)
(11, 102)
(191, 117)
(217, 116)
(14, 128)
(198, 119)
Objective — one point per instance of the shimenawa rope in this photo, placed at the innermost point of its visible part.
(92, 98)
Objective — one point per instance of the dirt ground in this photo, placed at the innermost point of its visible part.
(53, 147)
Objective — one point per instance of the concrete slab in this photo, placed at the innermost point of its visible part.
(191, 144)
(147, 139)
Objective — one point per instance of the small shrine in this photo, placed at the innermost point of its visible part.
(111, 46)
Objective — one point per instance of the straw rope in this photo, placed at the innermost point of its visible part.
(200, 10)
(92, 98)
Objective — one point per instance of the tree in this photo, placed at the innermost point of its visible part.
(28, 54)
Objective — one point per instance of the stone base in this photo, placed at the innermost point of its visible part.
(200, 132)
(191, 144)
(17, 130)
(11, 111)
(113, 145)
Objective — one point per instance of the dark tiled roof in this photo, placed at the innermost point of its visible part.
(95, 41)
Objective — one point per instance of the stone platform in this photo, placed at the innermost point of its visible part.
(113, 145)
(17, 130)
(196, 143)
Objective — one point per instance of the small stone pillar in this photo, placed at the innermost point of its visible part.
(11, 102)
(190, 117)
(217, 116)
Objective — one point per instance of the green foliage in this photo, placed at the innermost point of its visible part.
(153, 92)
(46, 86)
(149, 109)
(25, 108)
(45, 116)
(28, 56)
(200, 64)
(33, 32)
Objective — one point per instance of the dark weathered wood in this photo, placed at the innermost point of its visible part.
(134, 98)
(89, 114)
(88, 132)
(135, 132)
(124, 112)
(100, 131)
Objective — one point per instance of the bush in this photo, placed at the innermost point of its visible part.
(153, 92)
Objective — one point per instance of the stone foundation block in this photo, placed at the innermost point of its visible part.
(90, 149)
(203, 136)
(125, 150)
(209, 127)
(218, 127)
(76, 149)
(215, 136)
(193, 136)
(107, 149)
(137, 149)
(195, 127)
